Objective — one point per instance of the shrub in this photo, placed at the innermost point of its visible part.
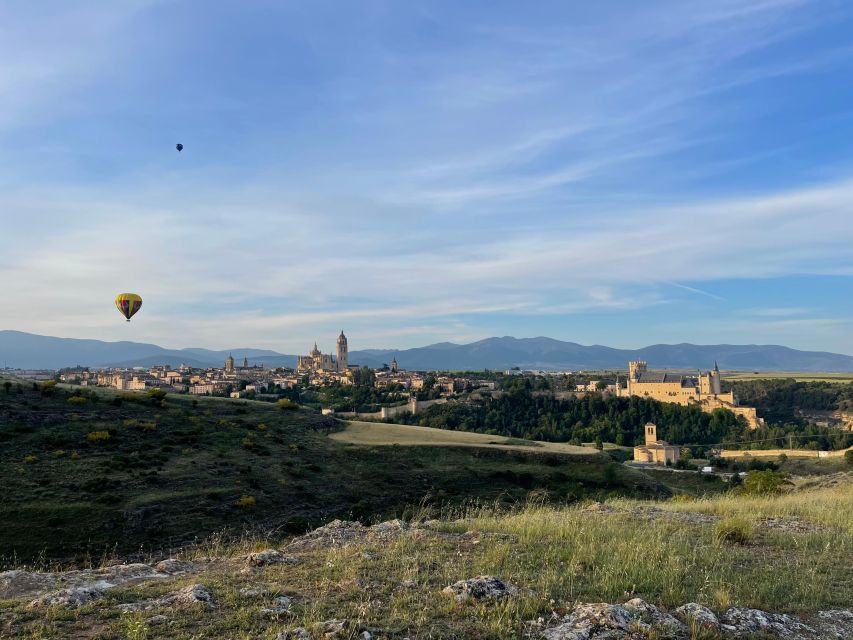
(682, 497)
(75, 456)
(7, 386)
(77, 400)
(764, 483)
(156, 395)
(848, 456)
(735, 530)
(30, 459)
(287, 404)
(246, 502)
(59, 453)
(98, 436)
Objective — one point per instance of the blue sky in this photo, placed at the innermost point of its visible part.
(624, 174)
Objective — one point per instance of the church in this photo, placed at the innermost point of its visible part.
(318, 361)
(656, 451)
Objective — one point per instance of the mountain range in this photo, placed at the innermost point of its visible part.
(30, 351)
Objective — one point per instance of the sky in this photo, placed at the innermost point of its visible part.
(619, 173)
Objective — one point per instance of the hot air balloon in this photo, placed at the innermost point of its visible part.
(179, 147)
(128, 304)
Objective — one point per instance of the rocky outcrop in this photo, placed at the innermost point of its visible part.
(341, 533)
(21, 584)
(639, 620)
(73, 598)
(479, 588)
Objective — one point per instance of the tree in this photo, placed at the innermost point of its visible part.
(848, 457)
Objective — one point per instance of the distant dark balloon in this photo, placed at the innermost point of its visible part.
(179, 147)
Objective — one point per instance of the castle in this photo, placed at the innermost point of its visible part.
(704, 390)
(317, 361)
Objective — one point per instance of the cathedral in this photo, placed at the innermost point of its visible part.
(317, 361)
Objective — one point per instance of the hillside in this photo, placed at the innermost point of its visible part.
(25, 350)
(86, 471)
(713, 569)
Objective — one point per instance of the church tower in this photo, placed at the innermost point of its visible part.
(343, 352)
(229, 364)
(651, 433)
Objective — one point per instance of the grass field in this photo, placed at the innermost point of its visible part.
(378, 433)
(668, 553)
(789, 375)
(106, 472)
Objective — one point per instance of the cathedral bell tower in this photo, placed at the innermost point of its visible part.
(343, 352)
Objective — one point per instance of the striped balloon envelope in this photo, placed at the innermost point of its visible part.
(128, 304)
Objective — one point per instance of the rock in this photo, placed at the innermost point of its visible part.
(191, 595)
(695, 615)
(266, 557)
(252, 592)
(481, 587)
(280, 605)
(157, 620)
(330, 628)
(365, 635)
(71, 598)
(836, 624)
(665, 625)
(337, 533)
(748, 622)
(299, 633)
(174, 567)
(408, 584)
(591, 621)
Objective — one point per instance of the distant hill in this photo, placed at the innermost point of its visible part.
(30, 351)
(549, 354)
(26, 350)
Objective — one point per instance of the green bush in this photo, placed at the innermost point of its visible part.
(734, 530)
(287, 405)
(77, 400)
(848, 456)
(98, 436)
(764, 483)
(246, 502)
(30, 459)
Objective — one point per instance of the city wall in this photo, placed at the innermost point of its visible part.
(791, 453)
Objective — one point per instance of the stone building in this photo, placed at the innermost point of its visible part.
(704, 390)
(318, 361)
(656, 451)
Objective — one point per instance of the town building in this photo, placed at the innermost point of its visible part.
(656, 451)
(703, 390)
